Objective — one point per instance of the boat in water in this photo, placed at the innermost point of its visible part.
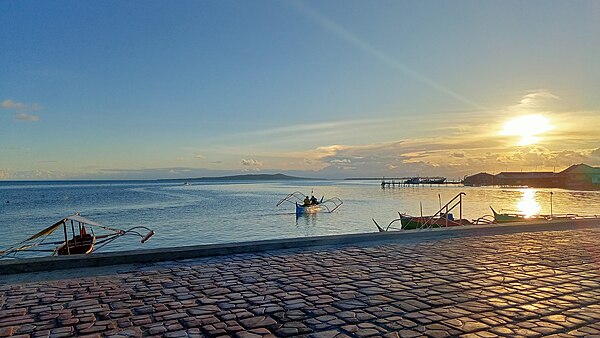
(519, 217)
(312, 205)
(516, 217)
(442, 218)
(80, 236)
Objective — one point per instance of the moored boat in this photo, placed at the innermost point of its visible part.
(508, 218)
(83, 238)
(442, 218)
(410, 222)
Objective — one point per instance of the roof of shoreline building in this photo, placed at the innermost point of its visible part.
(532, 174)
(581, 169)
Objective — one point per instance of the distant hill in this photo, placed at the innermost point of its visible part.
(247, 177)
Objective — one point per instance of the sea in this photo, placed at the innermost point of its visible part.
(209, 212)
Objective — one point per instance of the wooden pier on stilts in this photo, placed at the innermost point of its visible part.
(417, 181)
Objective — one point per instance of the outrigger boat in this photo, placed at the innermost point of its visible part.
(507, 218)
(297, 198)
(442, 218)
(516, 217)
(81, 241)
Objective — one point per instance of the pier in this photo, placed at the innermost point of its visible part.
(417, 181)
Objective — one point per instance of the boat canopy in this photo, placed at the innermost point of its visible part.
(46, 231)
(80, 219)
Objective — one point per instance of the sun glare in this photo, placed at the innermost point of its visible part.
(527, 128)
(528, 205)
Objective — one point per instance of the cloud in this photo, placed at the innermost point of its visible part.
(199, 156)
(27, 117)
(37, 174)
(251, 162)
(23, 110)
(10, 104)
(19, 106)
(535, 101)
(5, 174)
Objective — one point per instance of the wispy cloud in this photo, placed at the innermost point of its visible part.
(23, 110)
(345, 35)
(10, 104)
(27, 117)
(534, 102)
(304, 128)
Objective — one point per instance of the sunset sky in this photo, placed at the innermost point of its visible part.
(332, 89)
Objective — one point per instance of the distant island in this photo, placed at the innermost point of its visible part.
(247, 177)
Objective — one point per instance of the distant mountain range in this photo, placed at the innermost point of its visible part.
(247, 177)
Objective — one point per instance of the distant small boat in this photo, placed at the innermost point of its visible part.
(297, 198)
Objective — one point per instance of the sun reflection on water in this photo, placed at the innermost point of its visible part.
(528, 205)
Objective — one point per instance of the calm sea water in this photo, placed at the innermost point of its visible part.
(225, 212)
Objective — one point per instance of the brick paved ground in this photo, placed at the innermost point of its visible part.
(528, 284)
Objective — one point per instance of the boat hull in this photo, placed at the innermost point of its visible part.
(77, 246)
(409, 222)
(310, 209)
(509, 218)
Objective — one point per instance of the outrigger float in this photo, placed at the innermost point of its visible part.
(297, 198)
(81, 241)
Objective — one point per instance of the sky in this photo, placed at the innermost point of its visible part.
(329, 89)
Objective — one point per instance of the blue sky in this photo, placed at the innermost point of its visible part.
(149, 89)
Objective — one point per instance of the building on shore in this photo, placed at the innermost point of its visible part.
(577, 177)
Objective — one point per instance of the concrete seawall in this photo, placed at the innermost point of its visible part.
(197, 251)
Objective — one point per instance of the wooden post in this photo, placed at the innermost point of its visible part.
(460, 215)
(551, 214)
(66, 237)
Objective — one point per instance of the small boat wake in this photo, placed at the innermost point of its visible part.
(306, 205)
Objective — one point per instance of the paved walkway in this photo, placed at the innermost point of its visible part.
(527, 284)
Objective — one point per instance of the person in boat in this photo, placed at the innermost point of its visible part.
(313, 200)
(306, 201)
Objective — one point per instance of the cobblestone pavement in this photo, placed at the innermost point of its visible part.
(527, 284)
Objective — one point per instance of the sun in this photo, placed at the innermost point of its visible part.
(527, 128)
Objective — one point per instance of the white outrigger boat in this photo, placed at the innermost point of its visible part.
(297, 198)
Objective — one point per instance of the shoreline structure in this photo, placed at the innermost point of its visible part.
(142, 256)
